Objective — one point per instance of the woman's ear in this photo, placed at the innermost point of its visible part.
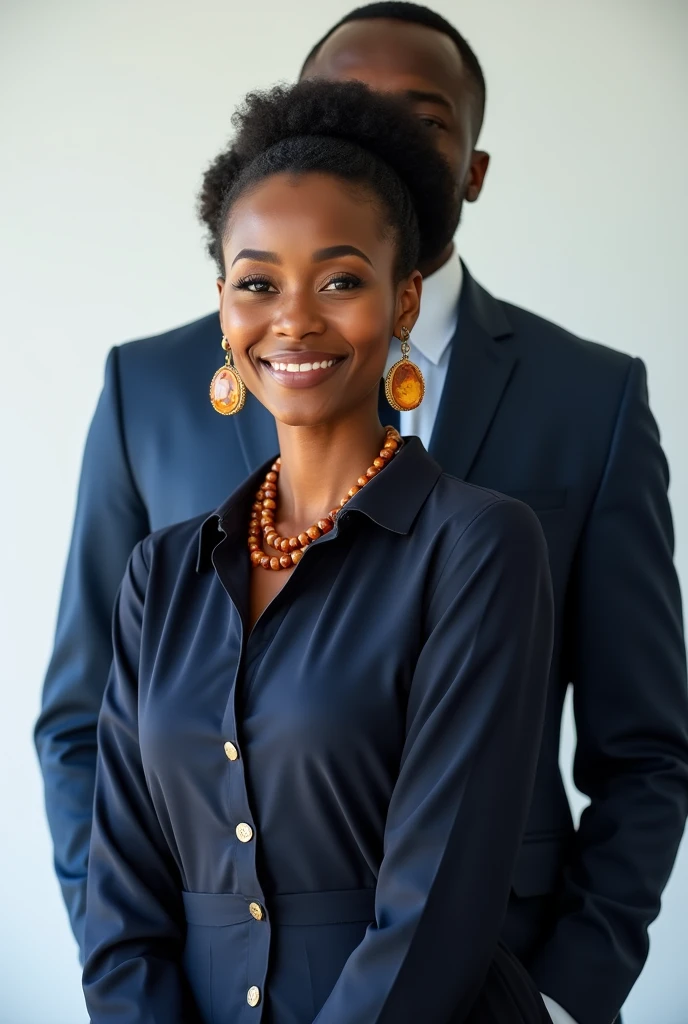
(408, 302)
(220, 282)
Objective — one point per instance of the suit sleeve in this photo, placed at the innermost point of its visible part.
(135, 925)
(631, 708)
(110, 520)
(474, 719)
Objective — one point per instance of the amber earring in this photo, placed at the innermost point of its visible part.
(404, 384)
(227, 389)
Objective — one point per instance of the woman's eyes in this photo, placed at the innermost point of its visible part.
(260, 285)
(342, 283)
(254, 283)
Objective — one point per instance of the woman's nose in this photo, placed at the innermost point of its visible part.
(297, 316)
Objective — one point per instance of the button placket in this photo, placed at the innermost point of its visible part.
(242, 832)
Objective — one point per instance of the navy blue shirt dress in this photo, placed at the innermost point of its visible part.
(317, 819)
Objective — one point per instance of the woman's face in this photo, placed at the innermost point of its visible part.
(309, 302)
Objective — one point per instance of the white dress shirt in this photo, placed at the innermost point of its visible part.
(430, 350)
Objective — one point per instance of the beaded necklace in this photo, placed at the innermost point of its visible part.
(290, 549)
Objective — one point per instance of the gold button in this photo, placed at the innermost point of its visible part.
(256, 911)
(253, 996)
(231, 751)
(244, 832)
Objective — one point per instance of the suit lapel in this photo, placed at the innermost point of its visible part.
(480, 366)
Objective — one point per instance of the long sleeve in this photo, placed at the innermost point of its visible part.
(474, 718)
(110, 520)
(631, 708)
(135, 924)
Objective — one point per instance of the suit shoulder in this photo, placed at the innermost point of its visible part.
(552, 342)
(184, 340)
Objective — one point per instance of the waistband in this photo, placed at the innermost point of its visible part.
(299, 908)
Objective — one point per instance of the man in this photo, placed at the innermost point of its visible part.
(513, 403)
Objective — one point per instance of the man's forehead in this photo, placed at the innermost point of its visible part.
(388, 45)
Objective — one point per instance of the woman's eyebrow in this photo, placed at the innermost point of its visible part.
(332, 251)
(261, 255)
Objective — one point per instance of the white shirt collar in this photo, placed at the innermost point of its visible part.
(439, 310)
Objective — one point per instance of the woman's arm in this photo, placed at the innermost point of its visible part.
(459, 806)
(134, 917)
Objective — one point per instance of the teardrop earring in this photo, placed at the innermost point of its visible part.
(227, 389)
(404, 384)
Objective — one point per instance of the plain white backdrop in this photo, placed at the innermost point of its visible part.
(108, 114)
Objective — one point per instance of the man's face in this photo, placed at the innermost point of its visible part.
(424, 67)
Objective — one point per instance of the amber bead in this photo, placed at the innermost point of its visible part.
(353, 490)
(269, 503)
(269, 492)
(265, 561)
(362, 481)
(286, 562)
(257, 557)
(255, 529)
(371, 472)
(296, 556)
(274, 562)
(386, 454)
(313, 532)
(379, 463)
(304, 539)
(285, 545)
(324, 525)
(253, 545)
(391, 444)
(293, 543)
(272, 476)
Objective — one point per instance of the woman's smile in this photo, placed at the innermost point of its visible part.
(301, 369)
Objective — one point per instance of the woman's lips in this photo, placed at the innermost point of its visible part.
(301, 369)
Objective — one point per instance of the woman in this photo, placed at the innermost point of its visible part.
(320, 732)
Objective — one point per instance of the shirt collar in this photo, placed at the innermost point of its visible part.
(439, 310)
(392, 499)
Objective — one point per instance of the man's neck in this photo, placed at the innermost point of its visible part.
(433, 265)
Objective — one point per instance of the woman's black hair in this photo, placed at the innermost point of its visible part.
(344, 129)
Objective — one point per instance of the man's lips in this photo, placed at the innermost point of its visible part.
(301, 369)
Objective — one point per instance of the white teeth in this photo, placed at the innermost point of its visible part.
(303, 367)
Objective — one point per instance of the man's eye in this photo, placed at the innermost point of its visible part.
(429, 122)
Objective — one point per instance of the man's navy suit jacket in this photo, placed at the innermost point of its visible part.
(528, 410)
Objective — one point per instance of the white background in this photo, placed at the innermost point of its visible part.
(108, 114)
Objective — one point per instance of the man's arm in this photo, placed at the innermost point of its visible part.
(628, 670)
(110, 520)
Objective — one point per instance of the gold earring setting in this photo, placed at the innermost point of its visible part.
(404, 384)
(227, 389)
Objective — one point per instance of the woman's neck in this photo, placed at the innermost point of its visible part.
(320, 464)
